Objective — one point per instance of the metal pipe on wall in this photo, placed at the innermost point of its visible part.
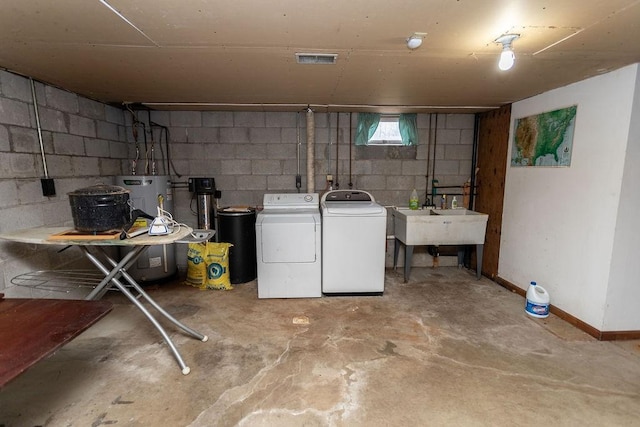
(330, 147)
(298, 176)
(311, 136)
(48, 186)
(35, 111)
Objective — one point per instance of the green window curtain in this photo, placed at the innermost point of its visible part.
(408, 124)
(366, 127)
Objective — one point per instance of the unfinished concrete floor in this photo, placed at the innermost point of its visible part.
(444, 349)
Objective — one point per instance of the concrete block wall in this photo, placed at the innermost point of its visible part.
(248, 154)
(252, 153)
(84, 143)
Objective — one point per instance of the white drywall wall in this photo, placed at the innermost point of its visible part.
(623, 293)
(559, 223)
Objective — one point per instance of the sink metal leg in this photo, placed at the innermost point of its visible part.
(408, 254)
(460, 256)
(479, 251)
(396, 250)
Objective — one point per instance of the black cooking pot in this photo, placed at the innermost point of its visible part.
(99, 208)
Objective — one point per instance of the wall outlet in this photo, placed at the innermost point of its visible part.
(329, 177)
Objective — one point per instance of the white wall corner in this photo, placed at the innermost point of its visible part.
(623, 293)
(559, 223)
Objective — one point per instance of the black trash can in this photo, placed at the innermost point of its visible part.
(237, 225)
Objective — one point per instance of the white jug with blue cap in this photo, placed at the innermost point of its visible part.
(537, 304)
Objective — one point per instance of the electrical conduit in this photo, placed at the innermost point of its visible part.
(35, 111)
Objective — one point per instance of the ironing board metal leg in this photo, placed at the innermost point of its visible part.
(108, 273)
(162, 311)
(102, 287)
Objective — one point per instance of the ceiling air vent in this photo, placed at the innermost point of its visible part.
(316, 58)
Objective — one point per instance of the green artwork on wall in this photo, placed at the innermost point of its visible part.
(544, 139)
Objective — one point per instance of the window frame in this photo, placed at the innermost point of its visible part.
(387, 118)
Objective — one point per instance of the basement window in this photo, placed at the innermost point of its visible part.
(388, 131)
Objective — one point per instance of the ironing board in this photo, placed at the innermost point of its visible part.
(115, 272)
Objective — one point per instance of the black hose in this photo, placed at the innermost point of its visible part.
(337, 179)
(426, 189)
(153, 124)
(169, 160)
(433, 169)
(350, 151)
(435, 146)
(298, 176)
(170, 164)
(144, 134)
(474, 159)
(164, 167)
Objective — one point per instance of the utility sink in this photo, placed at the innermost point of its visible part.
(438, 227)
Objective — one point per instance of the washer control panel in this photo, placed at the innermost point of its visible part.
(348, 196)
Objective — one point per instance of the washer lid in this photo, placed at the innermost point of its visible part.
(353, 208)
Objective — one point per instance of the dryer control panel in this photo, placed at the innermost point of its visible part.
(290, 200)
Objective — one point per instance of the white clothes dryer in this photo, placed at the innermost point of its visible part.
(288, 246)
(354, 242)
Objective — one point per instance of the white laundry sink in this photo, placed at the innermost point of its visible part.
(439, 226)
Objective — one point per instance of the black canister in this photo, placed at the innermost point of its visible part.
(237, 225)
(100, 208)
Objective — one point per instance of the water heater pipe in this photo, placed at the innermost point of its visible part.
(311, 181)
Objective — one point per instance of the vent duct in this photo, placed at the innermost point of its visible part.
(316, 58)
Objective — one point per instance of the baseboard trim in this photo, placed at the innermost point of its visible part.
(597, 334)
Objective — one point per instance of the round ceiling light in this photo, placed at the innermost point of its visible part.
(415, 41)
(507, 57)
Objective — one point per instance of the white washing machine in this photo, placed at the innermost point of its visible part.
(288, 246)
(354, 241)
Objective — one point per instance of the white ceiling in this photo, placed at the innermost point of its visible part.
(240, 54)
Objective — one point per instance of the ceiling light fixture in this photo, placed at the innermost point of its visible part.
(415, 41)
(507, 57)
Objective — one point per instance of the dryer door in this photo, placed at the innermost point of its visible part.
(288, 238)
